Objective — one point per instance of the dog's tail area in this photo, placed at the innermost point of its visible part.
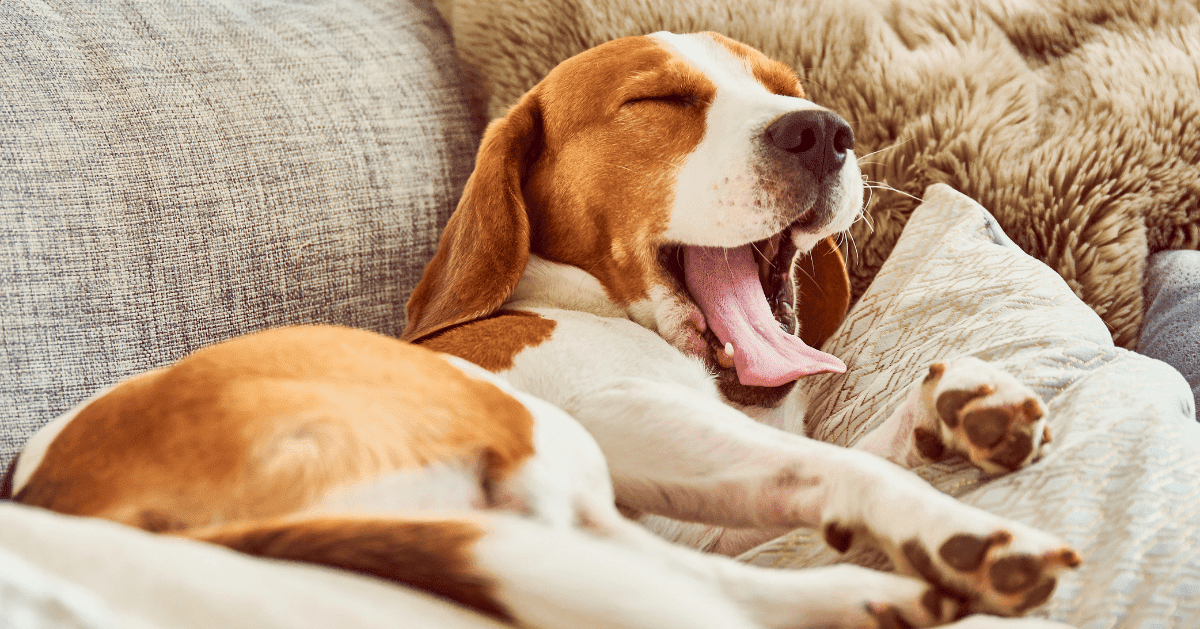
(512, 568)
(435, 555)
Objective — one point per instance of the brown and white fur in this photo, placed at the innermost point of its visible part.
(562, 369)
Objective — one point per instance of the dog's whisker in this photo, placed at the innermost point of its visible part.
(879, 185)
(860, 158)
(854, 247)
(870, 197)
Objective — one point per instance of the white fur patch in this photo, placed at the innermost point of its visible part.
(717, 199)
(436, 487)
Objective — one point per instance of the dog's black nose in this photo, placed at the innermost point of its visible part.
(819, 138)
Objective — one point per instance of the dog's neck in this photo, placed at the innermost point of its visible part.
(546, 284)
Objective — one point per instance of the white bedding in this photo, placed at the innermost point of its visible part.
(1122, 480)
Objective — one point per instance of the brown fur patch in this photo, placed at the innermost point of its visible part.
(838, 537)
(774, 75)
(986, 427)
(434, 556)
(601, 193)
(266, 424)
(492, 342)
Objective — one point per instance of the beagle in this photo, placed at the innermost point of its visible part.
(607, 332)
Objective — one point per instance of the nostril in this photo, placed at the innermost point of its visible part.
(808, 139)
(843, 140)
(818, 138)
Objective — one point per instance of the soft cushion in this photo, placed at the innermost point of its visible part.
(1171, 329)
(177, 172)
(60, 572)
(1121, 482)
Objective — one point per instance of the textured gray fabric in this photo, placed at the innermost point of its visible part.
(176, 172)
(1171, 329)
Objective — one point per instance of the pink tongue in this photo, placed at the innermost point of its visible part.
(725, 284)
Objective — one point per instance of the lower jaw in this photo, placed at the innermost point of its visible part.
(736, 392)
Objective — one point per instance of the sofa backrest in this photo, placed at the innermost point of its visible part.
(174, 173)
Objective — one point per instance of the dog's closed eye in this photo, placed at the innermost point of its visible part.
(674, 100)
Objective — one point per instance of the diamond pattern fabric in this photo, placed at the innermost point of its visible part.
(1121, 481)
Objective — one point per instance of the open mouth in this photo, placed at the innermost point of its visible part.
(748, 297)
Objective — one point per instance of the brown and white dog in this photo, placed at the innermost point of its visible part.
(610, 304)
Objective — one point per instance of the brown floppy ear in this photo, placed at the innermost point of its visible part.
(485, 246)
(823, 284)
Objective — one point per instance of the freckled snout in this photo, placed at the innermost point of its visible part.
(819, 139)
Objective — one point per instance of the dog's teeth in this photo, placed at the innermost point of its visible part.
(725, 358)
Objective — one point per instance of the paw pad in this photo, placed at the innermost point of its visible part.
(938, 603)
(1037, 595)
(1014, 573)
(966, 552)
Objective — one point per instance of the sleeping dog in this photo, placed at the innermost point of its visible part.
(641, 262)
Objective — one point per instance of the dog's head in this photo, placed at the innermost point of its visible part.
(647, 161)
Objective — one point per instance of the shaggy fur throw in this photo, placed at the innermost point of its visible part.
(1076, 122)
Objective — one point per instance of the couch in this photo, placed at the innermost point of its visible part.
(178, 172)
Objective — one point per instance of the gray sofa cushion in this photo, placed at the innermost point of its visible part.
(176, 172)
(1171, 328)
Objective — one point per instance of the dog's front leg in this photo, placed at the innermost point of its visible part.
(675, 452)
(966, 407)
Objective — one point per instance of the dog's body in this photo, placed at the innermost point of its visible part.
(609, 256)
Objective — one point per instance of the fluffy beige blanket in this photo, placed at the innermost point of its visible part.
(1076, 122)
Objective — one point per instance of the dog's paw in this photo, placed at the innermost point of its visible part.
(992, 572)
(989, 563)
(998, 572)
(983, 414)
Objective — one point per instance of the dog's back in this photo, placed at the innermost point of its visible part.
(269, 424)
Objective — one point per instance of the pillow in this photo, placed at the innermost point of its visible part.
(1121, 481)
(1171, 327)
(177, 172)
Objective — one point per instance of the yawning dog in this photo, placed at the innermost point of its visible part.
(640, 263)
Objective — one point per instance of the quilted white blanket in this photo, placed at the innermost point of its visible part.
(1121, 482)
